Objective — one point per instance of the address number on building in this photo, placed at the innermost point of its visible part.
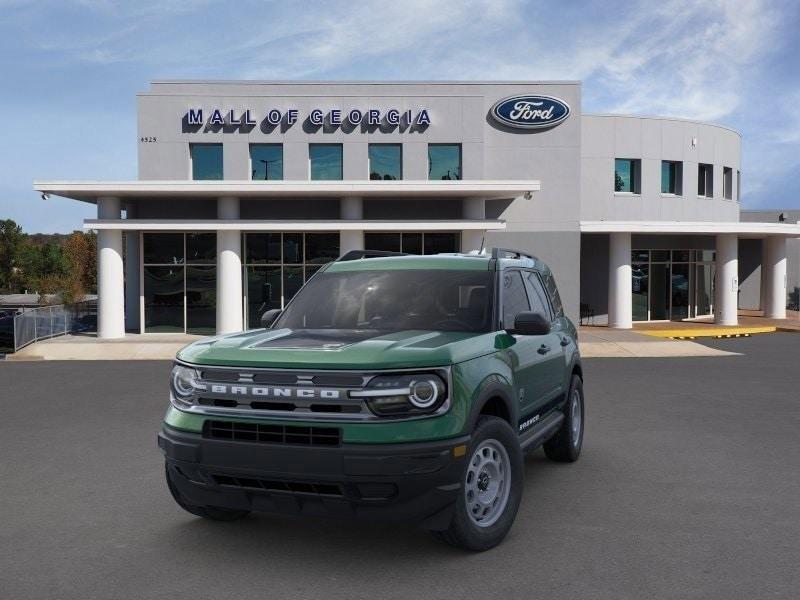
(147, 139)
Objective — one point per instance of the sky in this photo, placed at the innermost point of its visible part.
(70, 70)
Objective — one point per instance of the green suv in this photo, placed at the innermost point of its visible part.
(391, 387)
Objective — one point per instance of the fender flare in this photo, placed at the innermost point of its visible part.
(494, 387)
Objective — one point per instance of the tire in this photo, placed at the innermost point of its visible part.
(214, 513)
(492, 471)
(565, 445)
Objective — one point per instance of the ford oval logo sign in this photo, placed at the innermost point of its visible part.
(530, 112)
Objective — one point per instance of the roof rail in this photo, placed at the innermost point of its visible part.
(509, 253)
(359, 254)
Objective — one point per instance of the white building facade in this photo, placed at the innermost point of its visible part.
(246, 189)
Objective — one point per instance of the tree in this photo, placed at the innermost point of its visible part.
(12, 240)
(80, 254)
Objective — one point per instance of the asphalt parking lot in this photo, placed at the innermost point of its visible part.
(689, 487)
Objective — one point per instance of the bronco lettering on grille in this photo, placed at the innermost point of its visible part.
(274, 392)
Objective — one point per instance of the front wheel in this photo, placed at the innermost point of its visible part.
(565, 445)
(492, 488)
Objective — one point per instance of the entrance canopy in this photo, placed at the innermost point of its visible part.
(90, 191)
(743, 230)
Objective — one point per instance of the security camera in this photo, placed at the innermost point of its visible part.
(527, 195)
(45, 195)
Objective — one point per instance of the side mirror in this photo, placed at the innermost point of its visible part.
(530, 323)
(269, 317)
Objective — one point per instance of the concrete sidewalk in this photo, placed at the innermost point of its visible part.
(595, 342)
(602, 342)
(153, 346)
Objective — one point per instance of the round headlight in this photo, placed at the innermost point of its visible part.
(423, 393)
(183, 381)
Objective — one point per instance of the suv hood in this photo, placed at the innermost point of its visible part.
(339, 349)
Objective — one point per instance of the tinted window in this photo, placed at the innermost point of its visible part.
(444, 161)
(515, 299)
(385, 242)
(705, 180)
(322, 248)
(434, 300)
(626, 175)
(163, 248)
(385, 162)
(201, 248)
(412, 243)
(206, 161)
(537, 296)
(163, 299)
(266, 162)
(552, 292)
(263, 248)
(326, 161)
(440, 242)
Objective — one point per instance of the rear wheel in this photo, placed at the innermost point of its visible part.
(565, 445)
(214, 513)
(492, 488)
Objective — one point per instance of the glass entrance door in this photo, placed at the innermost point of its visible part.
(704, 289)
(659, 291)
(681, 292)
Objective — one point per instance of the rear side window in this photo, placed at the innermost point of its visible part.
(537, 295)
(515, 299)
(552, 292)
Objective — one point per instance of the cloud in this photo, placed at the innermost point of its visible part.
(729, 61)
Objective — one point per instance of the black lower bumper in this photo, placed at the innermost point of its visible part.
(416, 482)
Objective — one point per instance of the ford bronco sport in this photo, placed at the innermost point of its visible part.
(391, 386)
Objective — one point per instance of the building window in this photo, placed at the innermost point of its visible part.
(277, 265)
(444, 161)
(325, 162)
(180, 282)
(206, 161)
(738, 186)
(266, 162)
(705, 180)
(385, 162)
(412, 242)
(727, 183)
(627, 175)
(671, 177)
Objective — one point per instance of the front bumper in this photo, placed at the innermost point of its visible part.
(412, 482)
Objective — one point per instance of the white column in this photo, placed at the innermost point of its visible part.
(351, 209)
(132, 283)
(229, 270)
(110, 276)
(726, 281)
(472, 239)
(774, 277)
(620, 301)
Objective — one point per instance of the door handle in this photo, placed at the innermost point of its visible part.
(543, 349)
(565, 341)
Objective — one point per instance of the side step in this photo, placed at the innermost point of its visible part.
(543, 430)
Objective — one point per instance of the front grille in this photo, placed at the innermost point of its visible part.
(266, 433)
(352, 408)
(292, 487)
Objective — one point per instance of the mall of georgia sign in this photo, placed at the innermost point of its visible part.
(530, 112)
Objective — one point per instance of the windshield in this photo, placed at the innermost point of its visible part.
(436, 300)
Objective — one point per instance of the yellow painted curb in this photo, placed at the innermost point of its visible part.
(696, 332)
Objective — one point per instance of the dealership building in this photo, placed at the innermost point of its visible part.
(246, 189)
